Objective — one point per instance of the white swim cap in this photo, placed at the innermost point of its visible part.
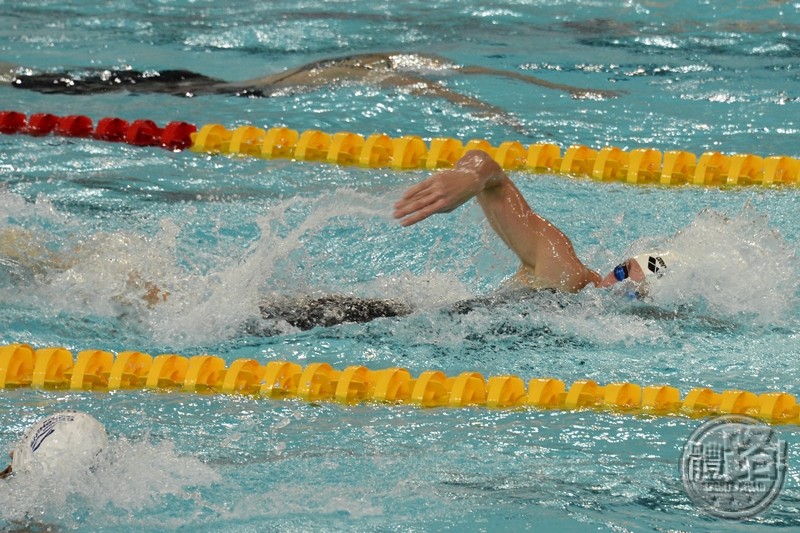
(654, 264)
(66, 439)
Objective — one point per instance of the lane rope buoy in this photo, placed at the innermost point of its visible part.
(55, 368)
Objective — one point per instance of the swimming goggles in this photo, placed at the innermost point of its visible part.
(621, 272)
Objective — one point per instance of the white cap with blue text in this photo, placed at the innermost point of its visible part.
(66, 439)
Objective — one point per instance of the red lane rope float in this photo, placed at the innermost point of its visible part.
(54, 368)
(174, 136)
(642, 166)
(11, 122)
(41, 124)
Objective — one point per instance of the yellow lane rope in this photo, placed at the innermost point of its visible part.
(55, 368)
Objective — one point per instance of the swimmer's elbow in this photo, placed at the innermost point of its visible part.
(488, 170)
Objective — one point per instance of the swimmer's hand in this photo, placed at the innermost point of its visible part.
(447, 189)
(441, 193)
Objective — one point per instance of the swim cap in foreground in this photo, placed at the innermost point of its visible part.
(68, 439)
(654, 264)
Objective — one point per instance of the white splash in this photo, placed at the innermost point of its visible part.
(214, 305)
(130, 477)
(734, 265)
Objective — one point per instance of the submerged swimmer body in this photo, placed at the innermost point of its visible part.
(309, 312)
(413, 72)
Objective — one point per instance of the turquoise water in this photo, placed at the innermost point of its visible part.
(221, 233)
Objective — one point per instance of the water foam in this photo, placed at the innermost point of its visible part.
(215, 305)
(732, 266)
(179, 291)
(131, 476)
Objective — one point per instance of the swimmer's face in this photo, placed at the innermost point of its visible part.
(628, 270)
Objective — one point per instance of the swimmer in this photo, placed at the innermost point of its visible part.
(412, 72)
(65, 441)
(548, 259)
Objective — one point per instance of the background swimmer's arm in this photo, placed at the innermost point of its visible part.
(546, 253)
(421, 86)
(153, 293)
(576, 92)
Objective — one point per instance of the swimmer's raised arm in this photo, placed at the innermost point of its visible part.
(547, 255)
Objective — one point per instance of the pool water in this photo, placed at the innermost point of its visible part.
(219, 234)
